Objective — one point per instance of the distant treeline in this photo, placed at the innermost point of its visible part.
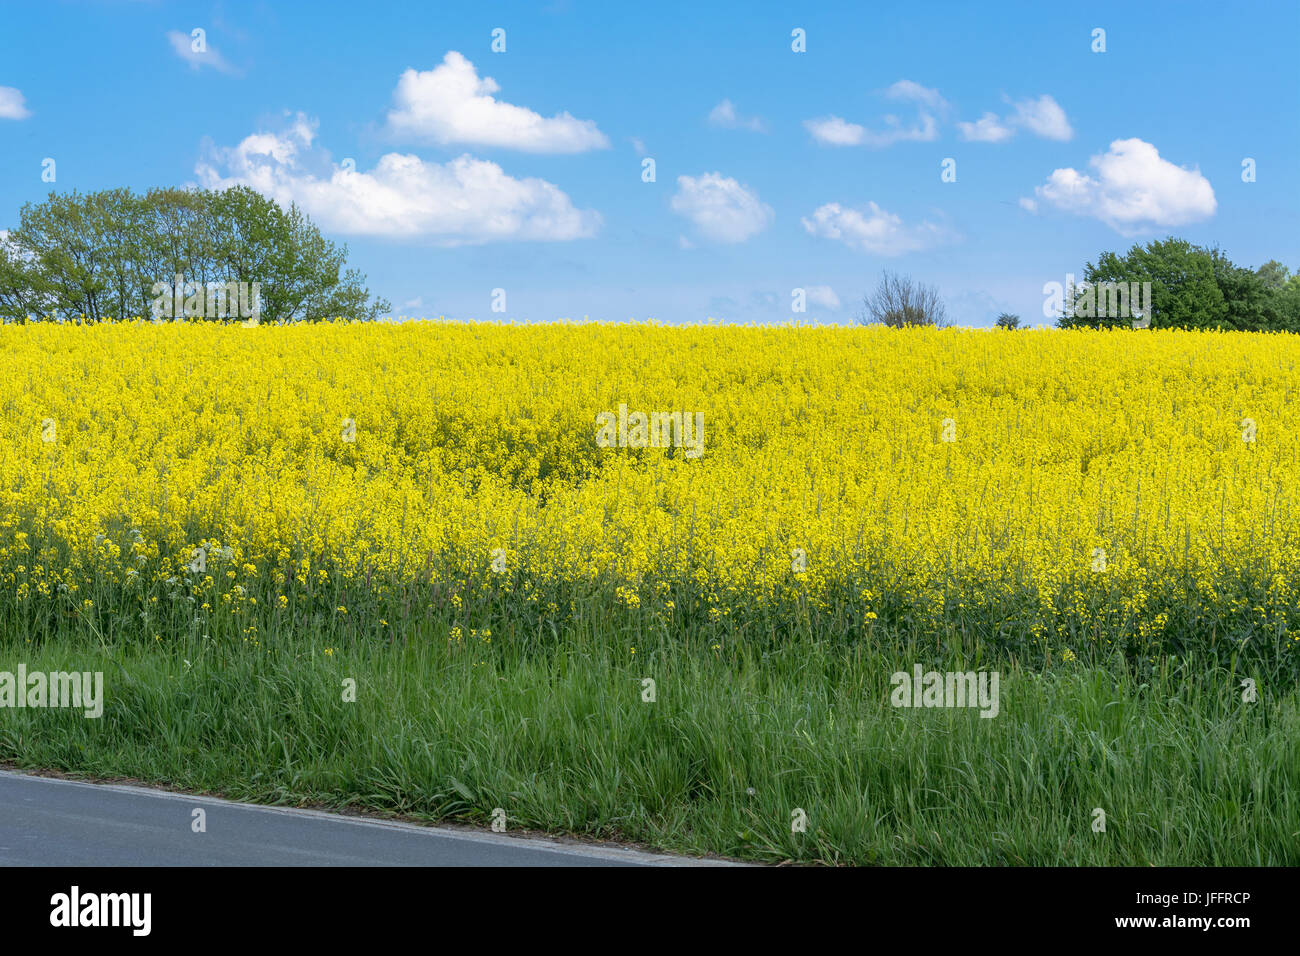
(114, 255)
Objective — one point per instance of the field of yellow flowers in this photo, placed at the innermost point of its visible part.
(1051, 495)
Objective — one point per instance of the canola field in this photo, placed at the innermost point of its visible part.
(1049, 495)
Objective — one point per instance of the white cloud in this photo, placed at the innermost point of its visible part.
(824, 296)
(183, 47)
(12, 104)
(725, 115)
(721, 208)
(1028, 204)
(414, 303)
(872, 229)
(925, 131)
(463, 201)
(1042, 116)
(637, 145)
(452, 104)
(987, 129)
(834, 131)
(1134, 190)
(916, 93)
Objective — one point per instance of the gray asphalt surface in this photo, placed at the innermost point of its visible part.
(48, 822)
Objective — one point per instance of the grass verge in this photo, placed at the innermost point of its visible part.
(561, 736)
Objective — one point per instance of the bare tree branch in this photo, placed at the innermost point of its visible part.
(900, 301)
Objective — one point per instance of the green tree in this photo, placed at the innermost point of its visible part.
(1273, 274)
(1192, 287)
(1288, 298)
(24, 288)
(105, 255)
(1008, 321)
(302, 274)
(1252, 299)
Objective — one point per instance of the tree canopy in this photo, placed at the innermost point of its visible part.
(102, 256)
(1193, 287)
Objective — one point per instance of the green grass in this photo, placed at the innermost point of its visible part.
(555, 732)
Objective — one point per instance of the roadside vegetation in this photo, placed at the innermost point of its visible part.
(435, 570)
(556, 732)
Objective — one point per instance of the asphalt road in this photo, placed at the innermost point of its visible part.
(48, 822)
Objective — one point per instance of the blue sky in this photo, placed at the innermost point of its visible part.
(473, 170)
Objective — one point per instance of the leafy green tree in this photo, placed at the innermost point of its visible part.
(1253, 303)
(302, 274)
(1288, 298)
(1191, 287)
(1008, 321)
(104, 255)
(1273, 274)
(24, 288)
(1184, 292)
